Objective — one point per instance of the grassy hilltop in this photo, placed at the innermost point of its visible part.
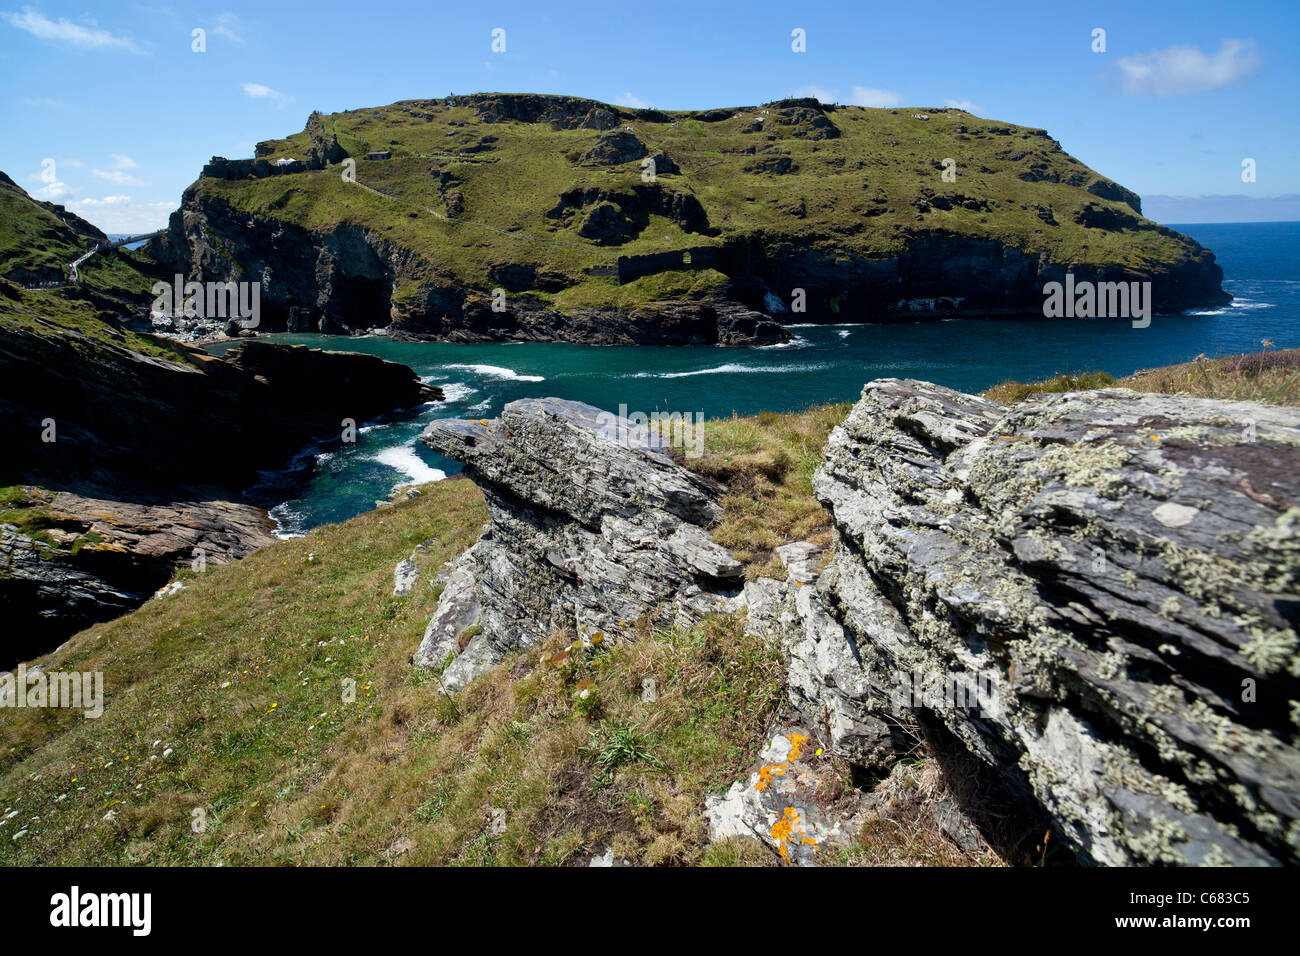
(529, 192)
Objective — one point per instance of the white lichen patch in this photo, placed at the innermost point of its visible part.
(1173, 515)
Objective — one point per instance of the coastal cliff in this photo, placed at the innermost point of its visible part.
(128, 459)
(537, 218)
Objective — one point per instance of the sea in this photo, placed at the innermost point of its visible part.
(333, 481)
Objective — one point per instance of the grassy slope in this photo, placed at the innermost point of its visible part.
(240, 676)
(58, 312)
(857, 191)
(33, 238)
(114, 283)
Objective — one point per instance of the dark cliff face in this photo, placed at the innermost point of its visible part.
(344, 282)
(143, 470)
(994, 278)
(127, 421)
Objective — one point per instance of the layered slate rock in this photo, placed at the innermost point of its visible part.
(592, 528)
(96, 558)
(1099, 591)
(826, 684)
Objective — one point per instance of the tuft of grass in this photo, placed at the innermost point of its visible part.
(1010, 392)
(767, 462)
(1268, 376)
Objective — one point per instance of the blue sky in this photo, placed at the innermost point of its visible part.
(1183, 93)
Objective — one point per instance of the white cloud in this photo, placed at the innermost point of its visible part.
(228, 26)
(121, 214)
(258, 91)
(117, 177)
(117, 173)
(636, 103)
(865, 96)
(56, 191)
(1185, 69)
(966, 105)
(858, 96)
(64, 31)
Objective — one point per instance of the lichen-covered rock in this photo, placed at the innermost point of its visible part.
(592, 528)
(1101, 589)
(786, 804)
(826, 682)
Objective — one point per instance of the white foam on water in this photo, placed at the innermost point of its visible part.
(455, 391)
(821, 325)
(798, 342)
(497, 371)
(404, 459)
(731, 369)
(843, 333)
(288, 522)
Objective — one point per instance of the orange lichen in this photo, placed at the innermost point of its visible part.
(767, 772)
(782, 829)
(796, 745)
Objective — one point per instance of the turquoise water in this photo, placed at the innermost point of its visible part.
(333, 481)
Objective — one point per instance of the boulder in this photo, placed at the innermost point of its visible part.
(615, 148)
(783, 803)
(593, 527)
(1096, 592)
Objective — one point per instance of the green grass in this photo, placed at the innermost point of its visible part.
(239, 675)
(767, 463)
(64, 313)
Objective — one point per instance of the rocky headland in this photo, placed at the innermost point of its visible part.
(501, 217)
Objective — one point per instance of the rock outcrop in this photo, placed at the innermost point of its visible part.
(93, 558)
(135, 461)
(1094, 595)
(592, 528)
(126, 420)
(1096, 592)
